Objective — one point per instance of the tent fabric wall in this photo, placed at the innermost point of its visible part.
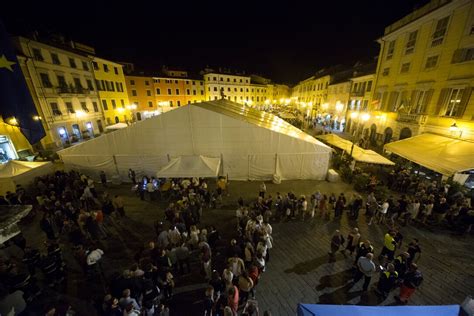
(356, 310)
(22, 173)
(246, 139)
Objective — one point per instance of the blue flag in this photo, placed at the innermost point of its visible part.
(16, 105)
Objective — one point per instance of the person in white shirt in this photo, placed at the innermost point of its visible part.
(365, 268)
(94, 256)
(383, 211)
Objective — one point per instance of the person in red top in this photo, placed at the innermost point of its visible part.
(233, 299)
(255, 276)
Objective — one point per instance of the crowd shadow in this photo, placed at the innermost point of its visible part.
(335, 280)
(310, 265)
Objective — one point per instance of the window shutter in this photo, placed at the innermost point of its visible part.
(464, 100)
(412, 103)
(441, 101)
(428, 97)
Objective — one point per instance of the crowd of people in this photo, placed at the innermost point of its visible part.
(77, 215)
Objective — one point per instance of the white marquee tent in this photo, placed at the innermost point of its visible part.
(21, 172)
(248, 145)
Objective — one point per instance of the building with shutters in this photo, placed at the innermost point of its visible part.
(425, 74)
(60, 78)
(112, 90)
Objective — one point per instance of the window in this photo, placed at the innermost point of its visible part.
(178, 102)
(69, 107)
(85, 66)
(369, 86)
(147, 83)
(104, 105)
(132, 82)
(440, 31)
(215, 89)
(194, 83)
(453, 106)
(62, 81)
(241, 90)
(55, 109)
(55, 59)
(134, 93)
(194, 92)
(431, 62)
(247, 90)
(110, 86)
(117, 87)
(235, 80)
(188, 91)
(390, 50)
(214, 78)
(148, 93)
(77, 84)
(171, 103)
(385, 72)
(150, 104)
(121, 87)
(122, 103)
(421, 101)
(235, 89)
(45, 80)
(37, 54)
(72, 63)
(240, 80)
(106, 68)
(177, 91)
(95, 65)
(90, 86)
(405, 68)
(176, 81)
(116, 70)
(221, 79)
(84, 107)
(202, 92)
(169, 91)
(158, 91)
(201, 83)
(462, 55)
(411, 42)
(114, 104)
(95, 106)
(228, 89)
(228, 79)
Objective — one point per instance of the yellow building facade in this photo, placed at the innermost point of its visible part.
(112, 91)
(425, 74)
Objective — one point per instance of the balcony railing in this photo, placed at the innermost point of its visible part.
(412, 118)
(71, 90)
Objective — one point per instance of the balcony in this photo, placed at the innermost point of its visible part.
(418, 119)
(357, 93)
(71, 90)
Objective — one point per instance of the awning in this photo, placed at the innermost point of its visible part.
(10, 215)
(191, 166)
(116, 126)
(355, 310)
(441, 154)
(359, 154)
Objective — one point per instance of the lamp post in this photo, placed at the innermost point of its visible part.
(454, 129)
(360, 118)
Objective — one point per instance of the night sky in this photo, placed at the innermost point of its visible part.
(285, 42)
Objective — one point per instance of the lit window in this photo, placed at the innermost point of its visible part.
(453, 106)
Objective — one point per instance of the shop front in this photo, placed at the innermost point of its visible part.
(7, 150)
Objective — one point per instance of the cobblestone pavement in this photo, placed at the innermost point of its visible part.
(299, 269)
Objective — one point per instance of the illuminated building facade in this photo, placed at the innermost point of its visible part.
(425, 74)
(60, 78)
(112, 90)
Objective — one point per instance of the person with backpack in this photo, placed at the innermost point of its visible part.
(412, 280)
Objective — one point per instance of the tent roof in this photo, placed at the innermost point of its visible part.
(355, 310)
(10, 215)
(359, 154)
(15, 167)
(190, 166)
(117, 126)
(441, 154)
(256, 117)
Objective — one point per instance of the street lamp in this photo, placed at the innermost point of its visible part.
(454, 129)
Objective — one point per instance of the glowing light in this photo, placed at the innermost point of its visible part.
(310, 104)
(365, 117)
(62, 131)
(121, 110)
(80, 113)
(287, 101)
(89, 125)
(325, 106)
(12, 121)
(249, 102)
(339, 106)
(267, 101)
(36, 117)
(454, 127)
(282, 100)
(354, 115)
(132, 107)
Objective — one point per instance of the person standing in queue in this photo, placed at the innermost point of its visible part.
(411, 282)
